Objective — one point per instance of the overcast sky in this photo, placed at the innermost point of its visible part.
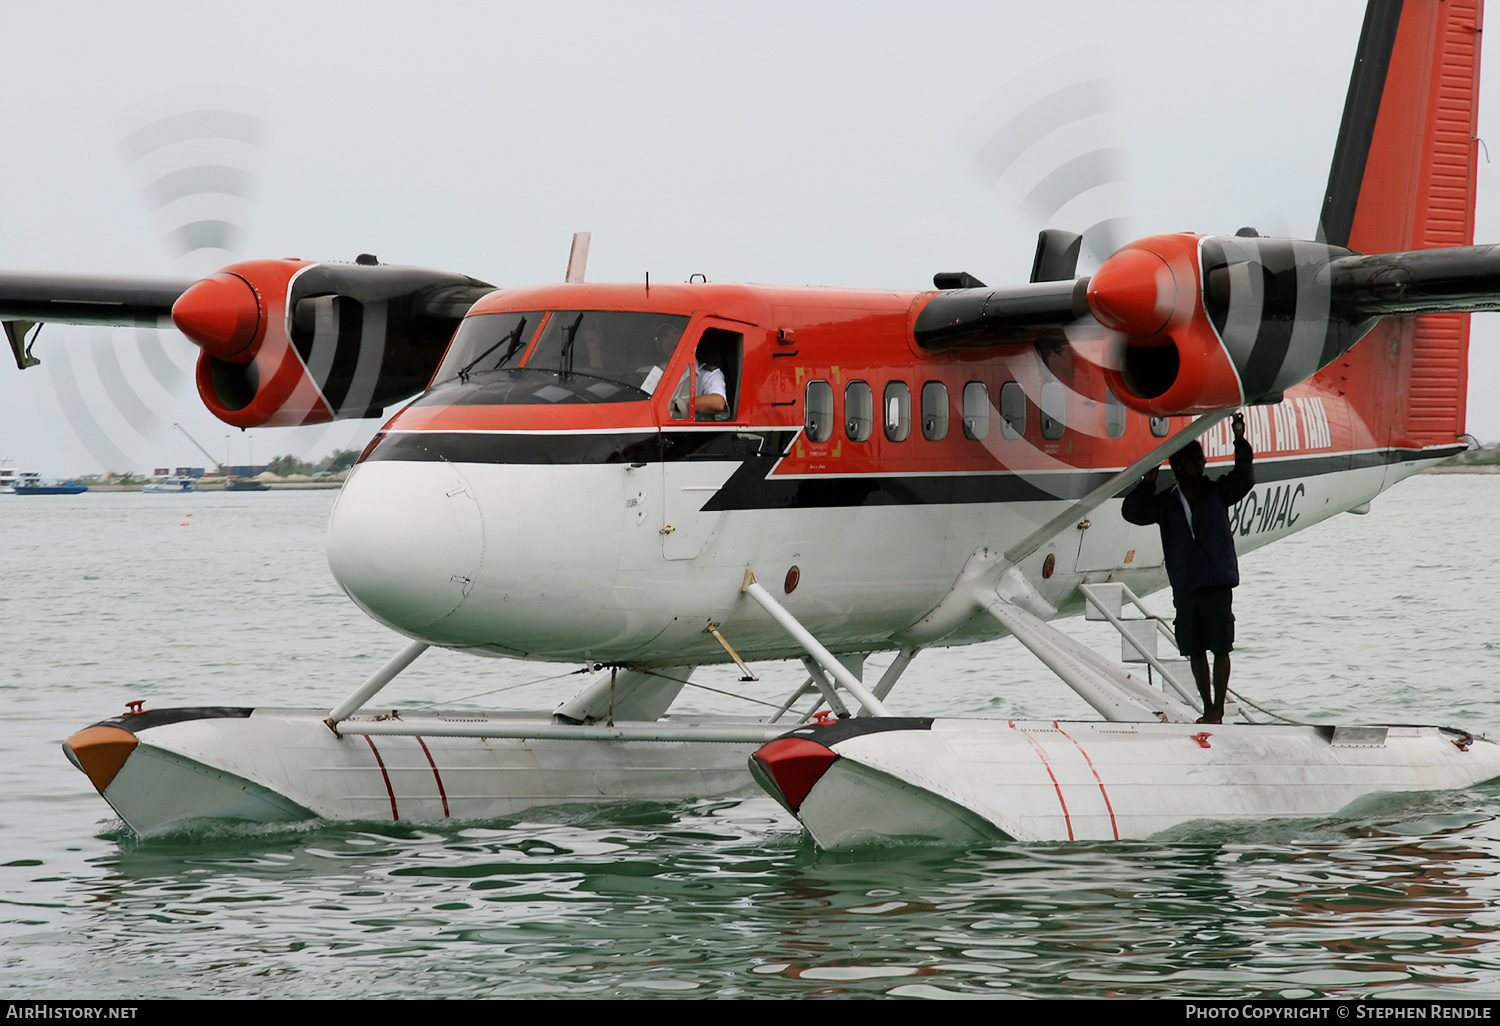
(797, 143)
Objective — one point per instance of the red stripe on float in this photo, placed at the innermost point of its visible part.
(1067, 820)
(384, 775)
(443, 794)
(1112, 824)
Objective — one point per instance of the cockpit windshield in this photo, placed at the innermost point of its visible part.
(487, 342)
(623, 347)
(627, 347)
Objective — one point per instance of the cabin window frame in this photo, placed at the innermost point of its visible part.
(1012, 411)
(976, 411)
(859, 411)
(895, 411)
(1116, 417)
(934, 411)
(1052, 410)
(818, 413)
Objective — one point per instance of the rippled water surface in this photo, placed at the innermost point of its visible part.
(108, 597)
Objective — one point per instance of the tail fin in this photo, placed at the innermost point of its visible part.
(1402, 179)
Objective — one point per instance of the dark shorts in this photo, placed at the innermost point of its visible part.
(1205, 621)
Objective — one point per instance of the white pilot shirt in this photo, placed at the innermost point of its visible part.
(711, 381)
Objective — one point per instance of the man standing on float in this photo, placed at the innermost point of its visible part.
(1193, 516)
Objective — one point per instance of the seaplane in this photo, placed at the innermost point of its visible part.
(879, 472)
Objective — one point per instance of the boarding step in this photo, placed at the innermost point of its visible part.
(1139, 638)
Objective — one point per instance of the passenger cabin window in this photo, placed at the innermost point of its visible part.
(819, 411)
(1053, 409)
(859, 411)
(934, 411)
(976, 411)
(1012, 410)
(1114, 415)
(1161, 426)
(897, 411)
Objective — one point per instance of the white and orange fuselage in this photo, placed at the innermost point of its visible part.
(857, 474)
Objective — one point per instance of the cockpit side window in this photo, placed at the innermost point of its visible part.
(719, 360)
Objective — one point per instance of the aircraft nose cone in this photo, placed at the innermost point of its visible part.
(405, 541)
(1133, 292)
(221, 314)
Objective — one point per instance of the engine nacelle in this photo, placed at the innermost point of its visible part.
(1206, 322)
(288, 342)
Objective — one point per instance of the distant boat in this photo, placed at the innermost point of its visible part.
(169, 484)
(245, 484)
(30, 483)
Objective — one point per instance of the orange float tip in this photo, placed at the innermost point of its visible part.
(100, 751)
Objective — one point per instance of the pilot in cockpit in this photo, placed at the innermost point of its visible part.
(666, 343)
(713, 394)
(593, 345)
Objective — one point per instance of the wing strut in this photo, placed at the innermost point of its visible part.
(1113, 693)
(1109, 489)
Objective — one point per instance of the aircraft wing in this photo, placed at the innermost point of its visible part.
(29, 298)
(282, 342)
(1464, 278)
(1197, 323)
(89, 299)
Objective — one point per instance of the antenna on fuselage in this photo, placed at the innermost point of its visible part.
(578, 256)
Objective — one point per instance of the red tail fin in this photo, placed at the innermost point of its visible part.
(1403, 178)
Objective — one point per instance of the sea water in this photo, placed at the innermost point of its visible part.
(106, 598)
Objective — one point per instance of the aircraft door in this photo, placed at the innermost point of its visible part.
(701, 448)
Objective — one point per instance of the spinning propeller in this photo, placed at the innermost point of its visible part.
(281, 342)
(193, 155)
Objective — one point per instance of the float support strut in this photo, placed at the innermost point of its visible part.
(379, 679)
(837, 670)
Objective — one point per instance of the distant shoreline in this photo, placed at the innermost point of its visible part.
(1479, 468)
(218, 486)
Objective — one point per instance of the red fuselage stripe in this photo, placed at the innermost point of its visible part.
(384, 776)
(1105, 794)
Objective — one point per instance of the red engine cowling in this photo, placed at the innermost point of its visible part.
(288, 342)
(1202, 323)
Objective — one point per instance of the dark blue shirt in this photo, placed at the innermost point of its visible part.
(1202, 557)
